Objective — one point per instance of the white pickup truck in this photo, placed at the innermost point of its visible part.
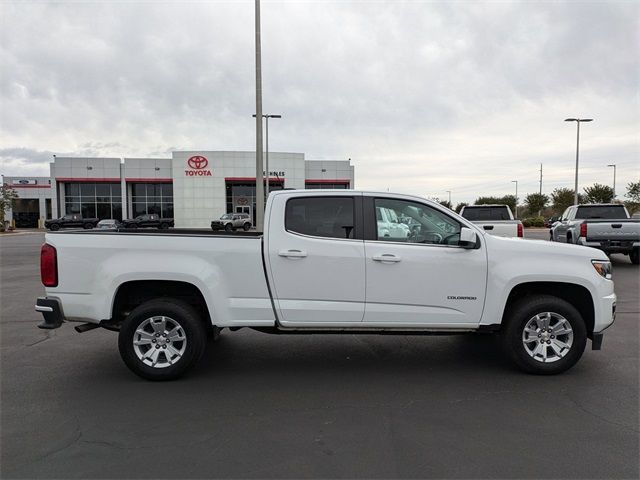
(494, 219)
(322, 266)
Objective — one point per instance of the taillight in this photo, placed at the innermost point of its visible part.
(583, 230)
(48, 266)
(520, 230)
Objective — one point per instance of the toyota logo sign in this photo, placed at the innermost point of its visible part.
(198, 164)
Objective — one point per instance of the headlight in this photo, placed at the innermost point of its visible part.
(603, 268)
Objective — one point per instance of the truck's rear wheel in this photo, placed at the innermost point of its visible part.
(247, 227)
(161, 339)
(88, 226)
(634, 256)
(544, 335)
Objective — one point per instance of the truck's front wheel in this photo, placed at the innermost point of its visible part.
(634, 256)
(544, 335)
(161, 339)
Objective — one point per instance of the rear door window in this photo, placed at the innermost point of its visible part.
(331, 217)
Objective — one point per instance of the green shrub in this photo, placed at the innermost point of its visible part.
(533, 222)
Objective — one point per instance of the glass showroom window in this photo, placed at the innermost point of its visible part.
(94, 200)
(152, 198)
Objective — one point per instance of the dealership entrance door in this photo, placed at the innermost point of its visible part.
(26, 212)
(243, 209)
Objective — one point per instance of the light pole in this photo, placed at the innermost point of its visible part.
(259, 171)
(614, 178)
(577, 120)
(449, 192)
(266, 159)
(516, 212)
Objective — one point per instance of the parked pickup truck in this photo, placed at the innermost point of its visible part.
(71, 220)
(148, 221)
(231, 221)
(494, 219)
(607, 227)
(321, 266)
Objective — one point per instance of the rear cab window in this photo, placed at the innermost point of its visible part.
(330, 217)
(486, 213)
(587, 212)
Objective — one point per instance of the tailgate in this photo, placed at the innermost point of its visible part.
(506, 228)
(619, 231)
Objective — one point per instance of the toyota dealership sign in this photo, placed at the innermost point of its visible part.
(197, 167)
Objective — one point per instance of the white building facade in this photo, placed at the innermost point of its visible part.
(193, 187)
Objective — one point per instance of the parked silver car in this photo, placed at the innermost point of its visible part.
(232, 221)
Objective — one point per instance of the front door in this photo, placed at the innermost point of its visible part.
(424, 279)
(316, 261)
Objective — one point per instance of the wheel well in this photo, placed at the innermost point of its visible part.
(132, 294)
(576, 295)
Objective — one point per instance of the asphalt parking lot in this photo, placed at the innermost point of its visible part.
(341, 406)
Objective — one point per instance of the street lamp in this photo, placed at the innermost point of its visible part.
(614, 178)
(577, 120)
(266, 160)
(449, 192)
(516, 212)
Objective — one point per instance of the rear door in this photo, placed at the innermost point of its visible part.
(316, 262)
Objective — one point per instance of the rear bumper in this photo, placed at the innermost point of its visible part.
(610, 246)
(51, 310)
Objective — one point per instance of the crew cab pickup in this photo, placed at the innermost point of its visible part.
(71, 220)
(607, 227)
(494, 219)
(322, 266)
(148, 221)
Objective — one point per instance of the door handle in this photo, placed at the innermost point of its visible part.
(488, 227)
(292, 253)
(386, 257)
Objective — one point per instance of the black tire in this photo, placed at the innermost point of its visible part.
(178, 312)
(551, 236)
(634, 256)
(246, 227)
(88, 226)
(228, 227)
(54, 227)
(163, 226)
(517, 317)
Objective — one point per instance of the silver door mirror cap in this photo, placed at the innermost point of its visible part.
(468, 238)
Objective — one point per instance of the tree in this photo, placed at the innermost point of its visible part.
(536, 202)
(598, 193)
(562, 198)
(445, 203)
(7, 196)
(460, 205)
(633, 194)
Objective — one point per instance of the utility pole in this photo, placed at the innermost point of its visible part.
(614, 178)
(449, 192)
(540, 179)
(259, 171)
(516, 212)
(577, 120)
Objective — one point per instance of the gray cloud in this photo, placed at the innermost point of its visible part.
(423, 96)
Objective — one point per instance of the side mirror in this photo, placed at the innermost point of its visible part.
(468, 238)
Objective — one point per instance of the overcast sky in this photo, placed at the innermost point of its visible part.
(424, 97)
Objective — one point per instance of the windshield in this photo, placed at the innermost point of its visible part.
(486, 213)
(226, 216)
(601, 211)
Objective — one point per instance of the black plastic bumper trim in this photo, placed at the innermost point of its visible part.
(596, 341)
(53, 318)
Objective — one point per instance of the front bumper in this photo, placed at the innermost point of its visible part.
(51, 310)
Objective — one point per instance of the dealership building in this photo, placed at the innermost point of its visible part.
(193, 187)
